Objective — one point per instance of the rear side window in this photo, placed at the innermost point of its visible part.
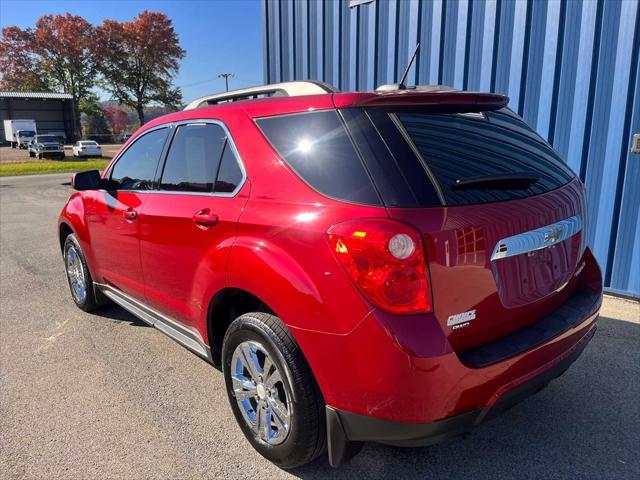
(456, 147)
(229, 173)
(193, 158)
(136, 167)
(316, 146)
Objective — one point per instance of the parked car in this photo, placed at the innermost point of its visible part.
(46, 146)
(62, 136)
(19, 133)
(389, 266)
(123, 137)
(87, 148)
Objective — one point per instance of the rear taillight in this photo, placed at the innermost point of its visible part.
(386, 260)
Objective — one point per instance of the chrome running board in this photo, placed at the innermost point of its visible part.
(185, 336)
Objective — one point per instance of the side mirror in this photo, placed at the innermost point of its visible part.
(86, 180)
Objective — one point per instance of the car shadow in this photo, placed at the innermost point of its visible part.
(117, 313)
(585, 424)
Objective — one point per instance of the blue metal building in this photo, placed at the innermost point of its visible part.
(570, 67)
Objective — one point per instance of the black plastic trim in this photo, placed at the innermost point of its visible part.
(575, 309)
(346, 430)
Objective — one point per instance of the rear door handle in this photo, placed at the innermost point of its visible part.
(204, 218)
(130, 214)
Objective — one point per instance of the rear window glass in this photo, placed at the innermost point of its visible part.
(317, 147)
(462, 146)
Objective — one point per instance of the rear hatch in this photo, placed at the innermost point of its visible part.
(501, 214)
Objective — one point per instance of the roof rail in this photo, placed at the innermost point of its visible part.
(285, 89)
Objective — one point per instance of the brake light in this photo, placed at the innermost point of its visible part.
(386, 260)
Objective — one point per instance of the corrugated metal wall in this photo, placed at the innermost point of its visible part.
(570, 68)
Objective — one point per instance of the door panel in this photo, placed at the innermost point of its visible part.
(115, 239)
(113, 215)
(189, 223)
(183, 258)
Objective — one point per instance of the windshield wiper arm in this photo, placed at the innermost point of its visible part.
(507, 181)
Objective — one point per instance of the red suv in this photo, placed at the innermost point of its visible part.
(391, 266)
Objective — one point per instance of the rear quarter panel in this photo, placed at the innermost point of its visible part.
(281, 253)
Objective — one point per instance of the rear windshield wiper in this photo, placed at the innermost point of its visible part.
(507, 181)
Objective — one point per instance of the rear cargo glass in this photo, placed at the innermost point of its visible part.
(316, 145)
(462, 146)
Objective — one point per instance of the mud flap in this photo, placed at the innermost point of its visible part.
(340, 449)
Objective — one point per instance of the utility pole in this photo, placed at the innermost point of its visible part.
(226, 79)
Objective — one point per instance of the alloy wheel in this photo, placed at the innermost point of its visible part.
(260, 393)
(75, 275)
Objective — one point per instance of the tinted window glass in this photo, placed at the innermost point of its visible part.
(193, 158)
(399, 177)
(317, 147)
(462, 146)
(229, 174)
(136, 167)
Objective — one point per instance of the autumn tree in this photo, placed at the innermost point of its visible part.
(117, 119)
(139, 59)
(54, 55)
(18, 62)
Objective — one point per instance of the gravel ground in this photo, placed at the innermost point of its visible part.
(103, 396)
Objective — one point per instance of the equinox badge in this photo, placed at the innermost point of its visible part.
(461, 320)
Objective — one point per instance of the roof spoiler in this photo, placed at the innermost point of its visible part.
(445, 99)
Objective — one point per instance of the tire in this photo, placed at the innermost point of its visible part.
(39, 156)
(296, 394)
(86, 302)
(31, 154)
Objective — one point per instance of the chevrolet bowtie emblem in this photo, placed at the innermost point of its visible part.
(552, 235)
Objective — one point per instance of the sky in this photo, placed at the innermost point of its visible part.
(219, 36)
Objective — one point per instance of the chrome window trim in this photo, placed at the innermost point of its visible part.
(174, 126)
(537, 239)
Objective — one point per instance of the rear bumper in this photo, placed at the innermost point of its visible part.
(346, 430)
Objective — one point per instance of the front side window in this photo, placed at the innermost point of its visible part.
(316, 146)
(193, 158)
(136, 167)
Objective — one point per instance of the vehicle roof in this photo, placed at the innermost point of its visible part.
(279, 105)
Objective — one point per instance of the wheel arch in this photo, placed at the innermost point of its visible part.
(64, 230)
(225, 306)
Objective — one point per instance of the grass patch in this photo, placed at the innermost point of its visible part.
(51, 166)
